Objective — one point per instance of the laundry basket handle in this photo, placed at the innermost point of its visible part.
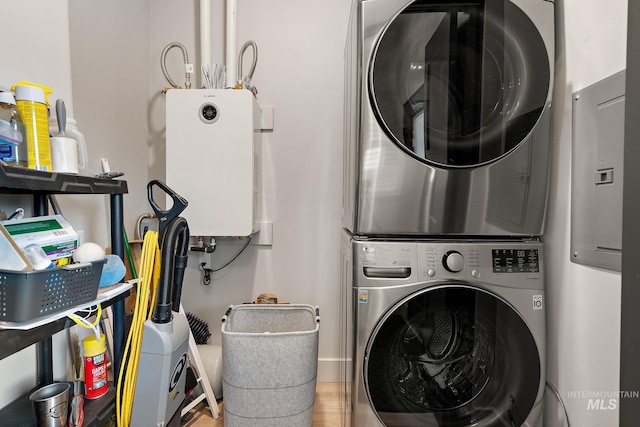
(226, 314)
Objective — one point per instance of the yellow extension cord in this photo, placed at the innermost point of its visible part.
(146, 295)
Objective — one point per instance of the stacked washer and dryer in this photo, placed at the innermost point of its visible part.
(447, 142)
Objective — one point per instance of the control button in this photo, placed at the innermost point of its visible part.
(431, 272)
(209, 113)
(475, 273)
(453, 261)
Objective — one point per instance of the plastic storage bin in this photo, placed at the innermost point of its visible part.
(28, 295)
(269, 364)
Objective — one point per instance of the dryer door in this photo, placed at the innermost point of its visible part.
(452, 356)
(459, 84)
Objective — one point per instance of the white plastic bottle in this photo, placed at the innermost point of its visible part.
(71, 131)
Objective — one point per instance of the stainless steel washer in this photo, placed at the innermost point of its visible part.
(447, 119)
(446, 334)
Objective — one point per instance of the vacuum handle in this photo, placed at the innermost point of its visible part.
(164, 216)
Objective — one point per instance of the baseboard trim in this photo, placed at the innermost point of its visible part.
(329, 370)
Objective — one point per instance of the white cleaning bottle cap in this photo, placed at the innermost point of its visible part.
(37, 257)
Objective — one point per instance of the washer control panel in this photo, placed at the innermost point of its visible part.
(505, 263)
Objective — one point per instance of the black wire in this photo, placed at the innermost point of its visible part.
(235, 256)
(206, 280)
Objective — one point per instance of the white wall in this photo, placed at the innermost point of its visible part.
(583, 303)
(40, 56)
(299, 72)
(110, 70)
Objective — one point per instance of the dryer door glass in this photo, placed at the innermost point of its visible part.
(452, 356)
(459, 83)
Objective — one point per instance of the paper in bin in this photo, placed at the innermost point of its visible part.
(52, 233)
(12, 256)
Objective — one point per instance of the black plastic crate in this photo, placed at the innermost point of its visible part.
(29, 295)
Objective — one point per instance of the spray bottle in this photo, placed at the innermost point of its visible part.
(13, 147)
(32, 105)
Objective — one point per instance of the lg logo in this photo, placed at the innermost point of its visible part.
(537, 302)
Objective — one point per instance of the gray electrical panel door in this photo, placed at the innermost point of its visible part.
(596, 173)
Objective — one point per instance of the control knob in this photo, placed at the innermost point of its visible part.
(453, 261)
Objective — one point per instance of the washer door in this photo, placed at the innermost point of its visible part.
(459, 84)
(452, 356)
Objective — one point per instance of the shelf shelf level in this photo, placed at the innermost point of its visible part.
(16, 180)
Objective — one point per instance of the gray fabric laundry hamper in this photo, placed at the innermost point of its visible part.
(269, 364)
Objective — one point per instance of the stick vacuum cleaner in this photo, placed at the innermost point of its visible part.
(160, 385)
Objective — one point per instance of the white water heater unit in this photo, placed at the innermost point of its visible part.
(213, 159)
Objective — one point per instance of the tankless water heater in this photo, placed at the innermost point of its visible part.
(213, 159)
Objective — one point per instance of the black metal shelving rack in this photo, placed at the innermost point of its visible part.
(40, 185)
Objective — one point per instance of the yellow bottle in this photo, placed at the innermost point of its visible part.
(31, 103)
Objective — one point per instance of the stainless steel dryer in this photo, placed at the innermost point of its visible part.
(447, 117)
(446, 334)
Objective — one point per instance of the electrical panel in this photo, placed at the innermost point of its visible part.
(213, 159)
(596, 173)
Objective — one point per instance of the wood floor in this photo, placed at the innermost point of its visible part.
(326, 410)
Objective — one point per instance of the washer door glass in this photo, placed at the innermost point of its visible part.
(459, 83)
(452, 356)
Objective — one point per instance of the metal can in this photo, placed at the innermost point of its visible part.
(95, 367)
